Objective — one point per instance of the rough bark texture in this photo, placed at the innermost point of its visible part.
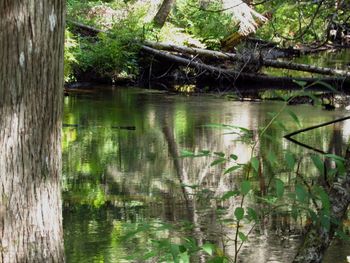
(31, 91)
(163, 12)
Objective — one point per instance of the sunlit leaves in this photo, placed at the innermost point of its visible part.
(208, 248)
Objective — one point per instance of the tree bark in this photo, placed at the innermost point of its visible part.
(163, 13)
(31, 92)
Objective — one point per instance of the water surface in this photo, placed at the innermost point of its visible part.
(121, 167)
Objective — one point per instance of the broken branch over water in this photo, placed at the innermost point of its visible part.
(244, 77)
(250, 60)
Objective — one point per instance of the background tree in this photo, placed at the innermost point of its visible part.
(163, 12)
(31, 86)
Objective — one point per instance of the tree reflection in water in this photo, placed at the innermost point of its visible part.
(116, 180)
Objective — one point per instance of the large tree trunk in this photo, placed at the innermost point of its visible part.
(31, 91)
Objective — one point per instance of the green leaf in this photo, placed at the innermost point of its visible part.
(242, 236)
(185, 153)
(232, 168)
(225, 126)
(301, 193)
(175, 250)
(233, 157)
(218, 259)
(255, 163)
(218, 161)
(229, 194)
(324, 198)
(203, 153)
(340, 167)
(245, 187)
(184, 257)
(318, 163)
(239, 213)
(281, 125)
(290, 159)
(279, 187)
(300, 83)
(330, 87)
(295, 213)
(294, 117)
(251, 214)
(208, 248)
(331, 172)
(341, 234)
(272, 157)
(272, 114)
(335, 157)
(325, 221)
(220, 154)
(149, 255)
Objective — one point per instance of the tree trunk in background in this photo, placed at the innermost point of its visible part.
(163, 12)
(31, 91)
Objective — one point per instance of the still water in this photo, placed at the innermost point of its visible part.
(121, 151)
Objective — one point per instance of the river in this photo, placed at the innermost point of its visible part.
(122, 168)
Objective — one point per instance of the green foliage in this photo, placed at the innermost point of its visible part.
(163, 248)
(115, 52)
(210, 27)
(70, 50)
(299, 21)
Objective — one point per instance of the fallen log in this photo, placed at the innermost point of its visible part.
(257, 60)
(339, 83)
(250, 60)
(87, 30)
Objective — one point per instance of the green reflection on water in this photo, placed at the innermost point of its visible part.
(115, 176)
